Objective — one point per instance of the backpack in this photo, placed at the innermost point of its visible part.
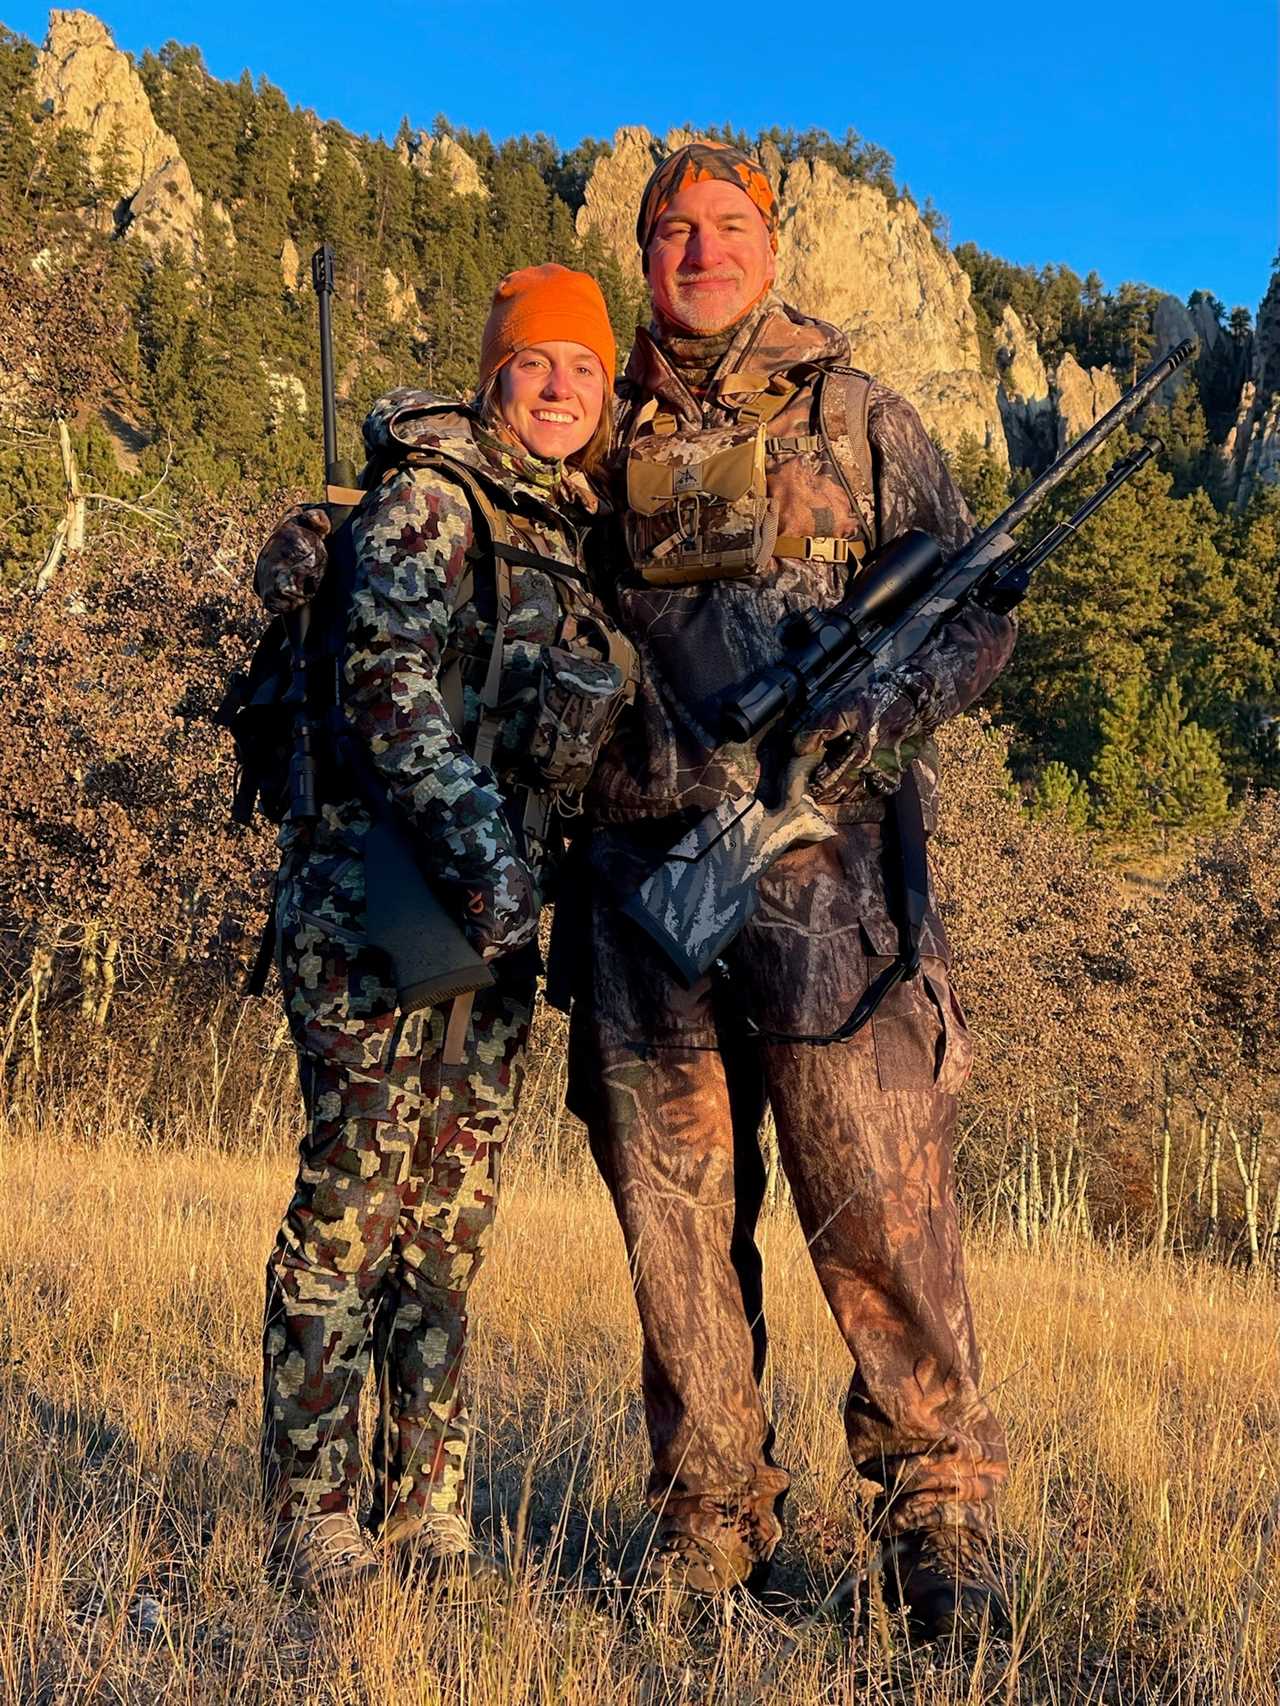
(290, 697)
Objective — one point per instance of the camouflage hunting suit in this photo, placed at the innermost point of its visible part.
(398, 1177)
(671, 1086)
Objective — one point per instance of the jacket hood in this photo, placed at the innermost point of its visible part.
(410, 419)
(774, 338)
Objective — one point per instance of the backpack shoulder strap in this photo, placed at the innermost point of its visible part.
(497, 527)
(844, 394)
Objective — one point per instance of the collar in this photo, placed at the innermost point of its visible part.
(771, 338)
(552, 481)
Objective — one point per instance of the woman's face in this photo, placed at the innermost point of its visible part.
(551, 395)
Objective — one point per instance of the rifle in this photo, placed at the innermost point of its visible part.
(431, 959)
(699, 898)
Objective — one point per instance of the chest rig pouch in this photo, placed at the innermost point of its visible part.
(698, 506)
(583, 679)
(697, 501)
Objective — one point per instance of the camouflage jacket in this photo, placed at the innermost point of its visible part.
(696, 640)
(419, 643)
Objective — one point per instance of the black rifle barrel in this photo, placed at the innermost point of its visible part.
(1085, 445)
(322, 272)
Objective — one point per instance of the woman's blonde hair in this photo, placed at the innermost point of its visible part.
(593, 456)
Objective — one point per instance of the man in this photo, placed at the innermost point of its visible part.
(759, 469)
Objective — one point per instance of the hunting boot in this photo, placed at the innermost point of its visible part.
(321, 1554)
(441, 1545)
(684, 1572)
(945, 1582)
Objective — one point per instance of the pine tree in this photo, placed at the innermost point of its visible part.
(981, 479)
(18, 153)
(1061, 793)
(1157, 771)
(1122, 805)
(62, 175)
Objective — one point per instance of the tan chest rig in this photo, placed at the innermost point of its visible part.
(698, 501)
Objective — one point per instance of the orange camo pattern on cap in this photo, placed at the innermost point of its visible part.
(694, 164)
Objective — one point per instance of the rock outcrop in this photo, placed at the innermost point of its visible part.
(1252, 449)
(82, 80)
(286, 394)
(165, 211)
(1026, 405)
(613, 190)
(1081, 395)
(427, 153)
(845, 255)
(402, 298)
(848, 256)
(1171, 323)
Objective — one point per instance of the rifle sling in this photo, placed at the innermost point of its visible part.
(256, 982)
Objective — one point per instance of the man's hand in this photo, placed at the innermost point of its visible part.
(837, 743)
(292, 563)
(786, 770)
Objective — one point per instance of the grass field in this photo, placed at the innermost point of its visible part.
(1141, 1402)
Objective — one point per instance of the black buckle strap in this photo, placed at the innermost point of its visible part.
(535, 560)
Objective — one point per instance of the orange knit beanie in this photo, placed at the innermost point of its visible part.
(545, 304)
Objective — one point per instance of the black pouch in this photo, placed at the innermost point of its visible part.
(256, 711)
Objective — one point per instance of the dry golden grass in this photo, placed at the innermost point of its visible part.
(1141, 1402)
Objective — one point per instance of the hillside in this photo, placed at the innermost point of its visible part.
(158, 408)
(155, 298)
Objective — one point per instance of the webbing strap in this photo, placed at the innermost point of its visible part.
(843, 401)
(536, 560)
(797, 444)
(817, 549)
(490, 721)
(760, 400)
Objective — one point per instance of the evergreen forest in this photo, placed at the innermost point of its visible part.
(1143, 698)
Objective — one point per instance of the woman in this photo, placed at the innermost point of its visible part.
(482, 679)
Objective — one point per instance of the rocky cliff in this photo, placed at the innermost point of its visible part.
(846, 255)
(1027, 406)
(1252, 448)
(427, 153)
(1080, 395)
(1043, 410)
(83, 80)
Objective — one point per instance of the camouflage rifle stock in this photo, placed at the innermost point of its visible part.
(695, 903)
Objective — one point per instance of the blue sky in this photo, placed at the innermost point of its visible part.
(1139, 139)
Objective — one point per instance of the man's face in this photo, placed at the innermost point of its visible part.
(709, 257)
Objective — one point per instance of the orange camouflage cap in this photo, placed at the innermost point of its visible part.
(694, 163)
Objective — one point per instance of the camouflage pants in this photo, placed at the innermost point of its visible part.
(673, 1092)
(390, 1219)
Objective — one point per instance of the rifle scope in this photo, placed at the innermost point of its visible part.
(821, 642)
